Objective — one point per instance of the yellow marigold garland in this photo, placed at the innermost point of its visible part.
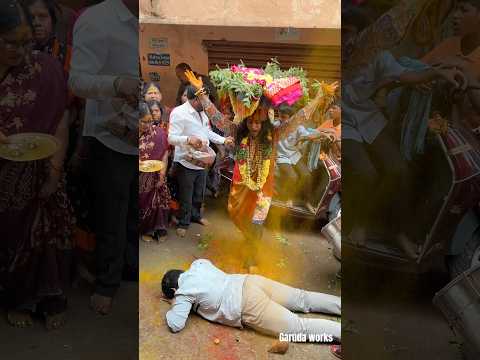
(246, 169)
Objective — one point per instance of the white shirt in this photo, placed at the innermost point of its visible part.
(185, 121)
(211, 293)
(287, 150)
(105, 46)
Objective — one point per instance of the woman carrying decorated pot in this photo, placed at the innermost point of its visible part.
(255, 144)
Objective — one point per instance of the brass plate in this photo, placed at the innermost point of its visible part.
(29, 147)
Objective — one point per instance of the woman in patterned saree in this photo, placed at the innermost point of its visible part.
(255, 153)
(33, 202)
(154, 197)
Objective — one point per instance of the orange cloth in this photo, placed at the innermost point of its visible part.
(242, 201)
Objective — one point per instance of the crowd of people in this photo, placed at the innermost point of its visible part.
(83, 211)
(57, 78)
(182, 139)
(388, 102)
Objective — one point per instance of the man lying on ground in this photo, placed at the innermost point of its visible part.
(247, 300)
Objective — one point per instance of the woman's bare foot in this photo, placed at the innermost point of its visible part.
(55, 321)
(19, 318)
(181, 232)
(101, 304)
(160, 235)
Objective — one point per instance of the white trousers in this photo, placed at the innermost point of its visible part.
(267, 306)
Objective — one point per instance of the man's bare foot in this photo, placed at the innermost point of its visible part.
(181, 232)
(203, 222)
(55, 321)
(101, 304)
(19, 318)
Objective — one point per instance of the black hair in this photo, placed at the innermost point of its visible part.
(355, 16)
(170, 283)
(183, 66)
(143, 109)
(10, 15)
(286, 109)
(152, 103)
(190, 92)
(265, 135)
(51, 6)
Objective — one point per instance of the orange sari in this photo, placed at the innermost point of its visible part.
(249, 206)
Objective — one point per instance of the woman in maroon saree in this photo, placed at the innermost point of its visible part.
(33, 202)
(154, 197)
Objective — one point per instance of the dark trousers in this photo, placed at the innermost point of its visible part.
(115, 184)
(191, 191)
(376, 184)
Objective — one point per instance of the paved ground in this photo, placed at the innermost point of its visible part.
(390, 316)
(85, 336)
(303, 260)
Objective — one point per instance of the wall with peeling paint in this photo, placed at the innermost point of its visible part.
(272, 13)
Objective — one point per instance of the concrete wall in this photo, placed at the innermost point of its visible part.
(323, 14)
(184, 44)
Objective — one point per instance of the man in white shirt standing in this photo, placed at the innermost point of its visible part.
(190, 130)
(251, 300)
(105, 71)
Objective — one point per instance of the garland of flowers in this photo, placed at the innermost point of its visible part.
(249, 160)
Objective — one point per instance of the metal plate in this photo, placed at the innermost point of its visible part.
(29, 147)
(149, 166)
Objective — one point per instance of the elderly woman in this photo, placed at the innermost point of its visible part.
(32, 194)
(52, 25)
(153, 96)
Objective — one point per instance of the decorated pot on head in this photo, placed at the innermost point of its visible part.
(245, 87)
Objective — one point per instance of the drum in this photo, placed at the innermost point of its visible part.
(333, 233)
(459, 302)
